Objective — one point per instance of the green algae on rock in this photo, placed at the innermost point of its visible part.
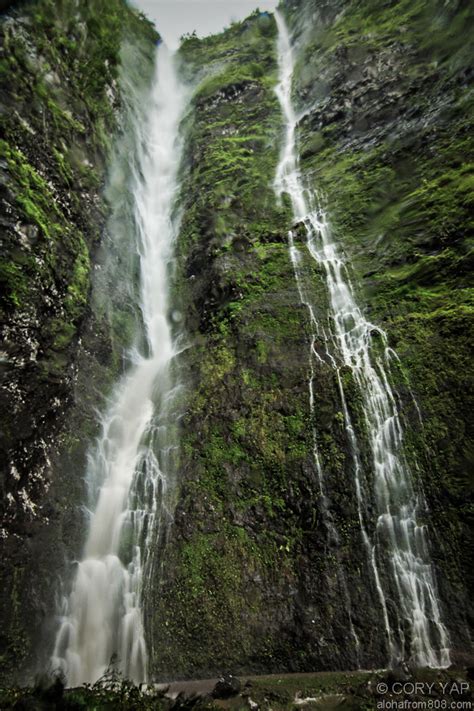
(388, 142)
(247, 577)
(387, 149)
(62, 100)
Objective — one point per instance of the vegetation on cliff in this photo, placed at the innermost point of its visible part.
(248, 577)
(61, 102)
(251, 578)
(244, 443)
(388, 143)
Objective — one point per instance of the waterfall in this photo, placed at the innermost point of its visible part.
(102, 617)
(398, 551)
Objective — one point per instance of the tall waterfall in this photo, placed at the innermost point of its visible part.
(398, 550)
(127, 468)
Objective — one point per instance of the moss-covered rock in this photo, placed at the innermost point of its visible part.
(256, 575)
(62, 101)
(386, 137)
(247, 581)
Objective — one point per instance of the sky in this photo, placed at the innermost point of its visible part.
(174, 18)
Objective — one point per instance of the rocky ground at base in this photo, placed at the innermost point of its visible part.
(356, 690)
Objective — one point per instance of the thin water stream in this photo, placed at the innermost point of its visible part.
(398, 551)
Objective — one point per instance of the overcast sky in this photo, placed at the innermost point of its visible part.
(175, 17)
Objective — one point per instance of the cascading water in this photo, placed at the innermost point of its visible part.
(128, 466)
(398, 554)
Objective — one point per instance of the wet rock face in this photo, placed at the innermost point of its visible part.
(366, 92)
(384, 93)
(248, 577)
(252, 573)
(57, 116)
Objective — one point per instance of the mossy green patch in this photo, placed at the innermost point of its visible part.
(390, 152)
(63, 100)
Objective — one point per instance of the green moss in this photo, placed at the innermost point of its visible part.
(57, 244)
(33, 196)
(63, 166)
(243, 442)
(62, 333)
(14, 283)
(216, 574)
(59, 116)
(78, 288)
(396, 175)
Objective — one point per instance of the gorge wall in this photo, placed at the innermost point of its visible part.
(251, 580)
(248, 578)
(66, 70)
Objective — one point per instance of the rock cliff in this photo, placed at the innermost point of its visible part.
(248, 577)
(251, 578)
(63, 97)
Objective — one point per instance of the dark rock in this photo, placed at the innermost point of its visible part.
(226, 687)
(55, 143)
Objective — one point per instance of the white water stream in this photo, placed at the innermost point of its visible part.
(102, 616)
(398, 552)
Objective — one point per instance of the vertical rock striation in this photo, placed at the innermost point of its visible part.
(385, 133)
